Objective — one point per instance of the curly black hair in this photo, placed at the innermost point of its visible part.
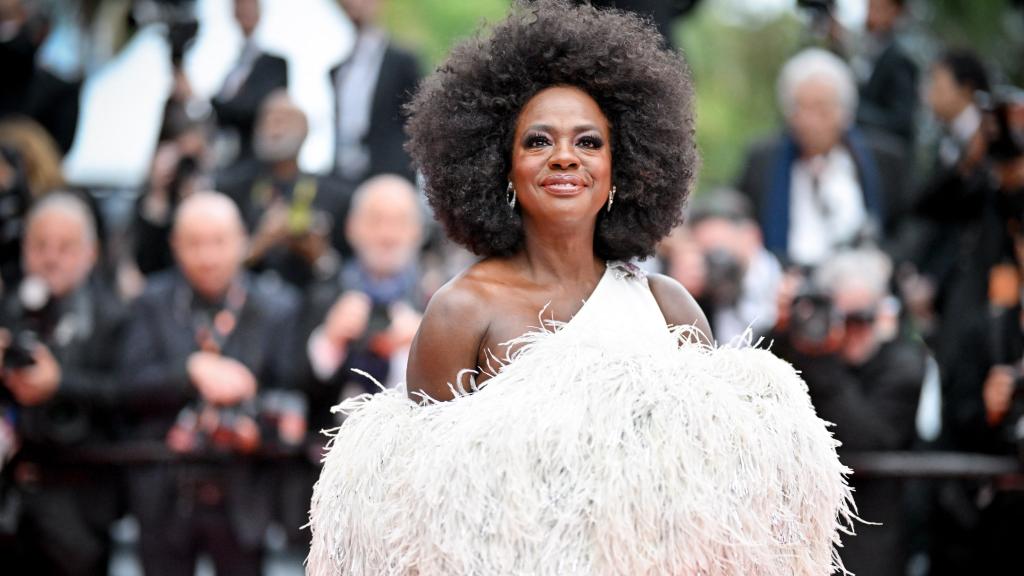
(463, 117)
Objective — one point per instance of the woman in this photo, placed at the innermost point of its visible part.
(555, 423)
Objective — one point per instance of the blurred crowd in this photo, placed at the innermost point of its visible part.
(180, 371)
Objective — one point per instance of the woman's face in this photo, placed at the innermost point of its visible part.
(561, 156)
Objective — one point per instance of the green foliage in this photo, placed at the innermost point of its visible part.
(432, 27)
(993, 28)
(734, 67)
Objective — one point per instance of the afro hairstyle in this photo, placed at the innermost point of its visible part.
(463, 116)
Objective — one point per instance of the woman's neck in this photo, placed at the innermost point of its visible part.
(559, 254)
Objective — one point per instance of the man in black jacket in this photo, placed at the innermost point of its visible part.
(370, 88)
(821, 184)
(205, 342)
(888, 92)
(58, 346)
(254, 76)
(863, 376)
(297, 219)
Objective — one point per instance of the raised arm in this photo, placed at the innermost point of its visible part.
(678, 306)
(447, 342)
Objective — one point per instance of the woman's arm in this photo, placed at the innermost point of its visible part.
(447, 342)
(678, 306)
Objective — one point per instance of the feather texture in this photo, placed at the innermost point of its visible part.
(584, 458)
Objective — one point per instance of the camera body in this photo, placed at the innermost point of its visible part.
(813, 318)
(34, 319)
(275, 418)
(724, 280)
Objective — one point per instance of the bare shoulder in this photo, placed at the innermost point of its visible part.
(463, 297)
(677, 304)
(450, 334)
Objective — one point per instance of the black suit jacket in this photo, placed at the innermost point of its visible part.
(239, 112)
(756, 176)
(385, 137)
(157, 344)
(333, 198)
(888, 100)
(160, 337)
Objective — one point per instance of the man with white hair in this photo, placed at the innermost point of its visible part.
(820, 185)
(365, 317)
(864, 376)
(205, 340)
(58, 347)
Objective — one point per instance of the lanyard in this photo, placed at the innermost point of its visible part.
(213, 330)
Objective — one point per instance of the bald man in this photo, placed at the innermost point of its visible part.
(295, 218)
(206, 339)
(58, 344)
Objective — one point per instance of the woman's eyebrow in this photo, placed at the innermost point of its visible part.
(549, 128)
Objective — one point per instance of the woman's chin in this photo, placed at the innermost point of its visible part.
(566, 211)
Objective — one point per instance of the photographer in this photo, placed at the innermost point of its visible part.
(296, 218)
(985, 369)
(179, 167)
(962, 209)
(366, 315)
(205, 344)
(735, 279)
(58, 335)
(838, 328)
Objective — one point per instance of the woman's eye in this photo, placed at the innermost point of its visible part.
(592, 142)
(536, 140)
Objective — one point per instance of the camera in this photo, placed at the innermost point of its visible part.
(812, 317)
(204, 426)
(724, 278)
(36, 320)
(277, 418)
(1005, 141)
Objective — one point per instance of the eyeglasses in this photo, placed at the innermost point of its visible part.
(859, 318)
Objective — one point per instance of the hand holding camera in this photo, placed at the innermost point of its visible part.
(997, 393)
(405, 322)
(221, 381)
(348, 318)
(36, 382)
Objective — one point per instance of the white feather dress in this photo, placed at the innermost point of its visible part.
(601, 447)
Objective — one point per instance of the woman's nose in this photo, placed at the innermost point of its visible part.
(563, 156)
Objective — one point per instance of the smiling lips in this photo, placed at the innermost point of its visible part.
(563, 184)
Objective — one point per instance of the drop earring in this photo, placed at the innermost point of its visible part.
(611, 198)
(510, 195)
